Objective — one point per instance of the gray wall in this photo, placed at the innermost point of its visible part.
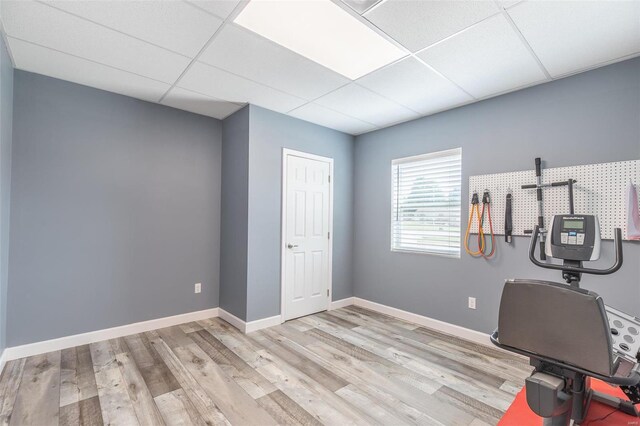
(6, 124)
(270, 132)
(588, 118)
(115, 210)
(235, 210)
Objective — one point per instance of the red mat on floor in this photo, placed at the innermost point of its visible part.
(519, 413)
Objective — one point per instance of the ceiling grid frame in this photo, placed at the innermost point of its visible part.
(503, 9)
(51, 5)
(524, 40)
(229, 18)
(82, 58)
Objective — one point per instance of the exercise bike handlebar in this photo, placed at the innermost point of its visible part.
(579, 269)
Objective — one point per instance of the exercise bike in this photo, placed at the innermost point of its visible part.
(567, 332)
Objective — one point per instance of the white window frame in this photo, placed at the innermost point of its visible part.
(413, 159)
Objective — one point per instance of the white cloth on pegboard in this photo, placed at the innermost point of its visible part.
(633, 213)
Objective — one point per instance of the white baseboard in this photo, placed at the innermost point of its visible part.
(232, 319)
(444, 327)
(337, 304)
(263, 323)
(3, 360)
(31, 349)
(248, 327)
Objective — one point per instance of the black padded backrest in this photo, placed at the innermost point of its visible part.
(556, 321)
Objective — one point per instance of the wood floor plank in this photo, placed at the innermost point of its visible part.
(381, 322)
(139, 394)
(198, 396)
(85, 376)
(140, 351)
(285, 410)
(399, 333)
(479, 409)
(490, 395)
(324, 408)
(425, 403)
(237, 342)
(507, 366)
(508, 370)
(178, 410)
(174, 337)
(86, 412)
(232, 400)
(69, 391)
(77, 379)
(115, 402)
(317, 400)
(478, 422)
(298, 325)
(378, 387)
(190, 327)
(382, 317)
(328, 379)
(380, 363)
(338, 320)
(512, 387)
(249, 379)
(293, 333)
(154, 371)
(441, 361)
(39, 387)
(118, 345)
(495, 353)
(359, 399)
(9, 384)
(347, 366)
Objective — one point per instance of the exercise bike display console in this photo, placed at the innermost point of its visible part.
(574, 237)
(567, 332)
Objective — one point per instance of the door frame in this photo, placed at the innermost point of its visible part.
(283, 223)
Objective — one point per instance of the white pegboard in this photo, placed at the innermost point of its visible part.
(601, 190)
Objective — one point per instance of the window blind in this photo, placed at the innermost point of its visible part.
(426, 201)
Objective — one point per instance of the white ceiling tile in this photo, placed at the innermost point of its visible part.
(40, 60)
(221, 8)
(486, 59)
(418, 24)
(249, 55)
(49, 27)
(361, 6)
(361, 103)
(414, 85)
(508, 3)
(325, 117)
(174, 25)
(198, 103)
(571, 35)
(220, 84)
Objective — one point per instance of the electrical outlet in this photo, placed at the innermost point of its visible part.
(198, 288)
(472, 303)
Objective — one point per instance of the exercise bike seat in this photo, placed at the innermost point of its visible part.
(563, 326)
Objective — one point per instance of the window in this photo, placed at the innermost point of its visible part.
(425, 204)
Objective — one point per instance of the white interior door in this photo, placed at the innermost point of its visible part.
(306, 235)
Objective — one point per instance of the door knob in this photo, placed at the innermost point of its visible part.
(291, 246)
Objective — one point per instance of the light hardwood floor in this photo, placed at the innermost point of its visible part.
(349, 366)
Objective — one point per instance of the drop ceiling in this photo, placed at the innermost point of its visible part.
(192, 55)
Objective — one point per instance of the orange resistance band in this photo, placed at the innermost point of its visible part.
(475, 208)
